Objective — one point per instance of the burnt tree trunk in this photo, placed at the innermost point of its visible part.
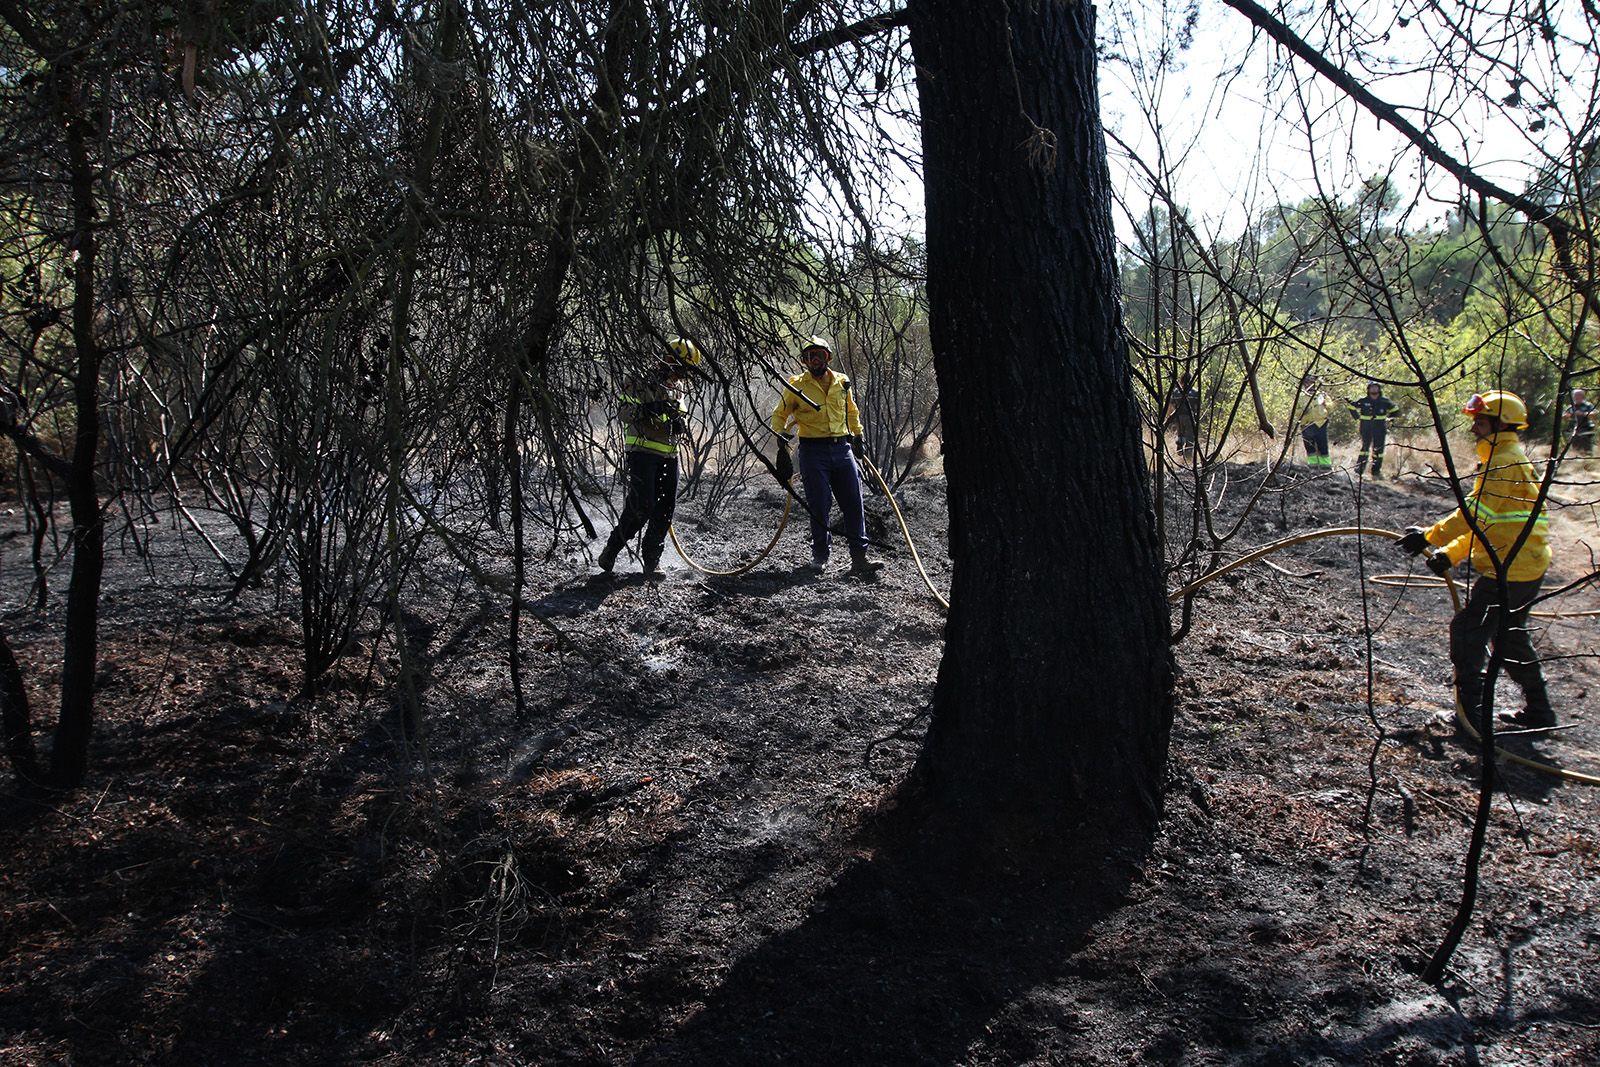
(69, 757)
(1052, 710)
(16, 717)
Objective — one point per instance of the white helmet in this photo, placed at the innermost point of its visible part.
(816, 341)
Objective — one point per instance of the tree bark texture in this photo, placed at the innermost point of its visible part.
(69, 757)
(1052, 710)
(16, 717)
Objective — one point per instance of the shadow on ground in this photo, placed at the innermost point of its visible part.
(895, 964)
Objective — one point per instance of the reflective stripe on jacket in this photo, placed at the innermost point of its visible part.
(646, 408)
(1372, 409)
(835, 415)
(1501, 503)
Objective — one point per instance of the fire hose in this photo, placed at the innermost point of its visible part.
(1462, 718)
(1409, 581)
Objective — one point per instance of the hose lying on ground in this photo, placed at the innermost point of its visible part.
(1405, 581)
(788, 502)
(905, 531)
(1462, 718)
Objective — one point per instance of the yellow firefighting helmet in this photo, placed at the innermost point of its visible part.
(1507, 407)
(684, 351)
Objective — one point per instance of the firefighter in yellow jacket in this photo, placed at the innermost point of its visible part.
(820, 408)
(1501, 505)
(651, 409)
(1314, 427)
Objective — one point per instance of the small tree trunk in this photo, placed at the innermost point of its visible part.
(15, 715)
(69, 757)
(519, 563)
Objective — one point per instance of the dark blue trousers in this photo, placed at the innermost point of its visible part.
(1373, 436)
(828, 472)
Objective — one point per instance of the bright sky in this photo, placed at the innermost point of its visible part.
(1233, 126)
(1229, 125)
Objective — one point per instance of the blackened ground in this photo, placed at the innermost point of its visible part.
(671, 856)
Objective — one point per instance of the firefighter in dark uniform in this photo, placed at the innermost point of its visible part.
(652, 413)
(1580, 423)
(1373, 413)
(1183, 413)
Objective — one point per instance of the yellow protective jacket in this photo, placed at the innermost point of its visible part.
(652, 416)
(835, 415)
(1501, 502)
(1316, 411)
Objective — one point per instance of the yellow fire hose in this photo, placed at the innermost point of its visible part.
(1462, 718)
(1403, 580)
(788, 502)
(905, 531)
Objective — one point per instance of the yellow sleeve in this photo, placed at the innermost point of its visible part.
(852, 414)
(780, 414)
(1452, 533)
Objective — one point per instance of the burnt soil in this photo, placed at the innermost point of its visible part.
(674, 854)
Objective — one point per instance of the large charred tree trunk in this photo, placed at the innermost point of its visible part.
(1052, 711)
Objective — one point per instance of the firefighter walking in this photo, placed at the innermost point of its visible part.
(653, 415)
(1501, 505)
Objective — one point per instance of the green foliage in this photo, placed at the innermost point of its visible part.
(1340, 291)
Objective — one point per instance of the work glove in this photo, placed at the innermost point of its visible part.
(1439, 564)
(679, 426)
(784, 464)
(855, 445)
(1413, 542)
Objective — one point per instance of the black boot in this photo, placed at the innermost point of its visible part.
(1537, 714)
(652, 566)
(862, 567)
(608, 554)
(1530, 718)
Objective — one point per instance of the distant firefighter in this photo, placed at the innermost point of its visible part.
(1373, 413)
(1580, 424)
(1314, 427)
(1183, 414)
